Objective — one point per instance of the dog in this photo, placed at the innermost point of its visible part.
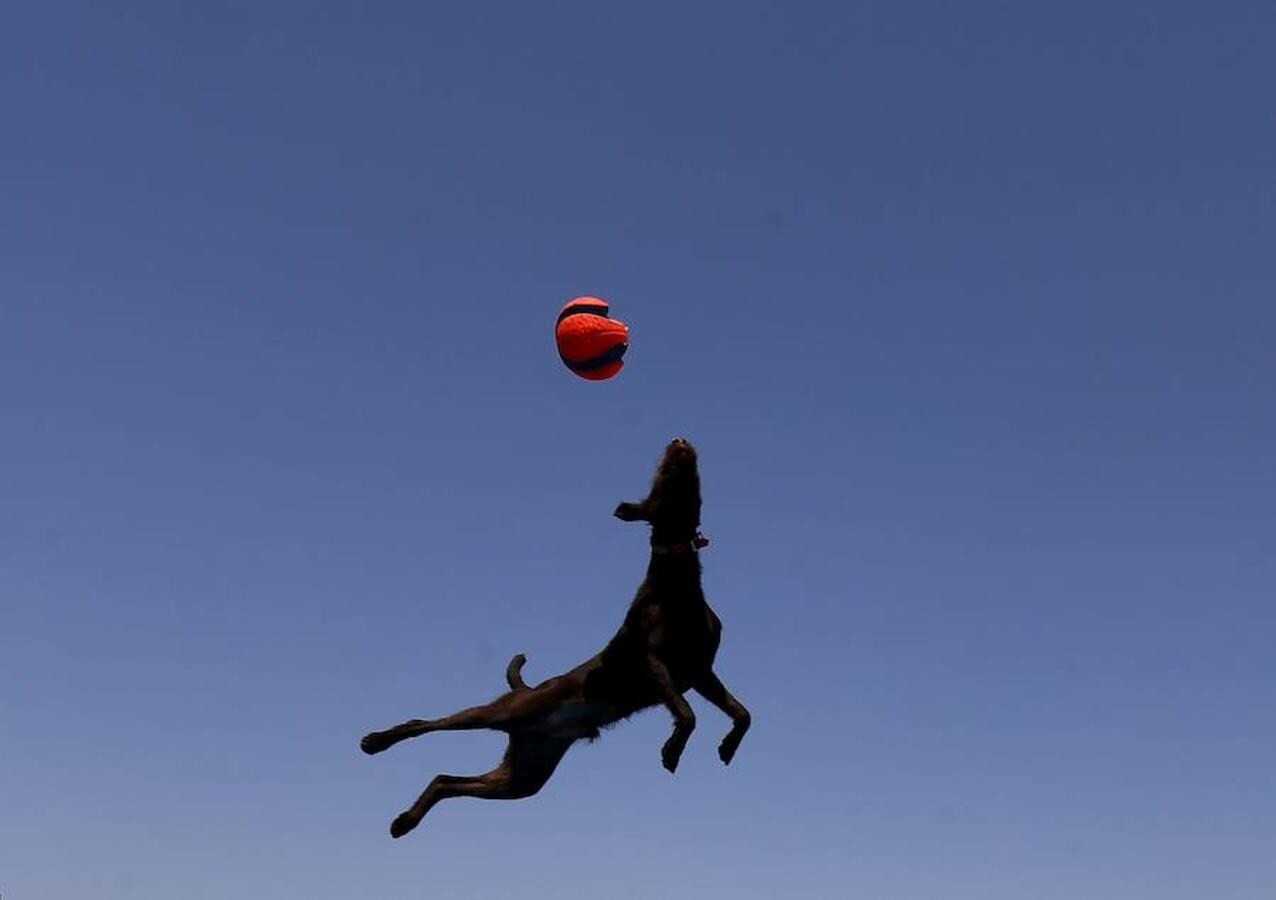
(665, 646)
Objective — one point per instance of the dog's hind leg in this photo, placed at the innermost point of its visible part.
(528, 763)
(712, 689)
(502, 714)
(489, 715)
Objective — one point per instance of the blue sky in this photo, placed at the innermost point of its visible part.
(969, 310)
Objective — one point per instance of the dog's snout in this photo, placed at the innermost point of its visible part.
(680, 448)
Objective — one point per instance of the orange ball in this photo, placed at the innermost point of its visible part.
(590, 342)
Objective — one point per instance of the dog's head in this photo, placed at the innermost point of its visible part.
(673, 504)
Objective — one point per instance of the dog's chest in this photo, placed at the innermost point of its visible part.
(691, 627)
(691, 640)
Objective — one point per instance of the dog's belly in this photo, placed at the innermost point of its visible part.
(577, 719)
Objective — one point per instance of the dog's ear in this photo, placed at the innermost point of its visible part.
(630, 512)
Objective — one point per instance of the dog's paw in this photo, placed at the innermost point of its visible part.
(402, 824)
(671, 754)
(374, 742)
(628, 512)
(726, 750)
(730, 743)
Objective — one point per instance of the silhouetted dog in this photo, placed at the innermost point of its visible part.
(665, 646)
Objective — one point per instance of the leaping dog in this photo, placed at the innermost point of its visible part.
(665, 646)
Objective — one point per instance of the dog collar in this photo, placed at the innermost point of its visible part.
(692, 546)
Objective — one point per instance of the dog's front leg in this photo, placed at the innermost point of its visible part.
(712, 689)
(684, 720)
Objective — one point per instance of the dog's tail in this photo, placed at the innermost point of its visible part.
(514, 673)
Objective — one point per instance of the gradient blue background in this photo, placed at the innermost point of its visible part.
(968, 307)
